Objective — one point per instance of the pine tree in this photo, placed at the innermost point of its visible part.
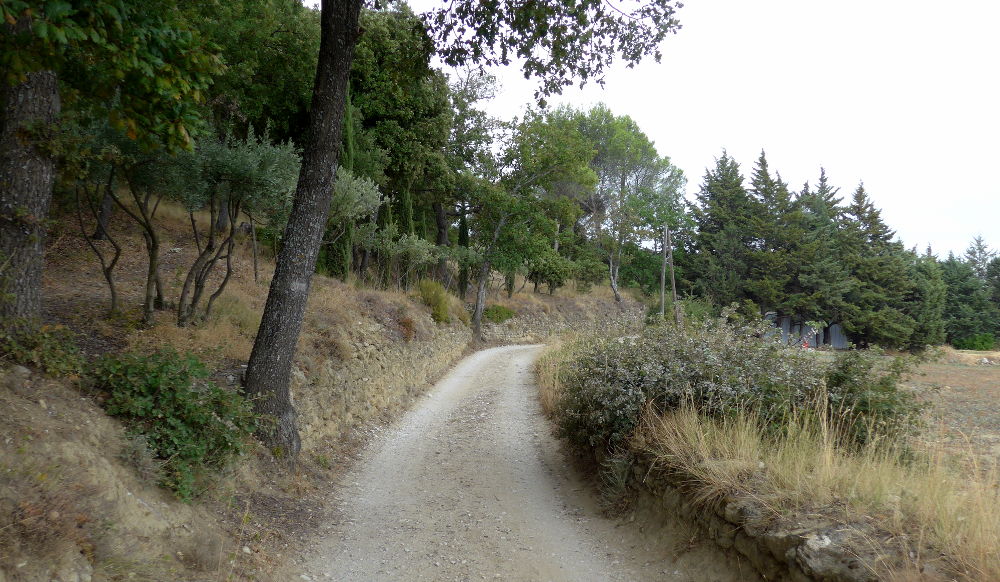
(774, 223)
(823, 281)
(879, 268)
(978, 256)
(723, 215)
(926, 302)
(969, 310)
(993, 280)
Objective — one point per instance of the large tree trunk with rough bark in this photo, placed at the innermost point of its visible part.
(269, 369)
(27, 174)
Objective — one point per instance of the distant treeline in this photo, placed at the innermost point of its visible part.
(816, 256)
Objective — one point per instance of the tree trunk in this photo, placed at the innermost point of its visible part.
(441, 221)
(152, 277)
(104, 215)
(27, 174)
(269, 369)
(613, 276)
(107, 264)
(484, 275)
(477, 313)
(222, 220)
(463, 269)
(253, 240)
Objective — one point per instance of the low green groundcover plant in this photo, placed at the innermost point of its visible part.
(51, 348)
(497, 313)
(189, 422)
(721, 369)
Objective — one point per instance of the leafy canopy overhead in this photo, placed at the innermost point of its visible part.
(558, 41)
(125, 53)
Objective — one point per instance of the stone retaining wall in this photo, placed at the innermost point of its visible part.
(781, 547)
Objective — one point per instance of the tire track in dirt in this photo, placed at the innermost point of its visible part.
(471, 485)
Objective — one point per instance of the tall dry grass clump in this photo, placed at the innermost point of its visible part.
(921, 495)
(549, 369)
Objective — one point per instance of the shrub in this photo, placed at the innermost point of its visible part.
(550, 268)
(188, 422)
(49, 347)
(588, 272)
(721, 369)
(980, 342)
(864, 398)
(434, 296)
(498, 313)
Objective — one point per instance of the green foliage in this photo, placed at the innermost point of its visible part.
(926, 303)
(722, 369)
(865, 400)
(51, 348)
(550, 268)
(561, 43)
(979, 341)
(270, 49)
(637, 192)
(588, 272)
(698, 309)
(434, 296)
(132, 57)
(498, 313)
(724, 216)
(188, 422)
(969, 309)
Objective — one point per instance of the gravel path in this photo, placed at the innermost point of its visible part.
(471, 485)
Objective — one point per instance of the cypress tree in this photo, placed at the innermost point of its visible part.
(969, 310)
(877, 306)
(823, 281)
(723, 214)
(978, 256)
(926, 303)
(772, 269)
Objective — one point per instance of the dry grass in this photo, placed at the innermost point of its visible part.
(944, 498)
(969, 357)
(548, 370)
(925, 498)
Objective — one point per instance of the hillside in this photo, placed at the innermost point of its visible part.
(79, 497)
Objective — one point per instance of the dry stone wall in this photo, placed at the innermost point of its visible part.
(783, 548)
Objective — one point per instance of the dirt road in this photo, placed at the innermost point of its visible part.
(471, 485)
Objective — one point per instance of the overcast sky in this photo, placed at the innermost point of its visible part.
(902, 94)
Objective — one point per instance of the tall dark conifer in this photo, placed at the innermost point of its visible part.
(772, 269)
(879, 269)
(969, 310)
(725, 239)
(823, 281)
(926, 302)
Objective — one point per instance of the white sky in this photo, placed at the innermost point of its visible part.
(903, 94)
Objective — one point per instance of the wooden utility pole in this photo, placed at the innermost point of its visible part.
(673, 282)
(663, 273)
